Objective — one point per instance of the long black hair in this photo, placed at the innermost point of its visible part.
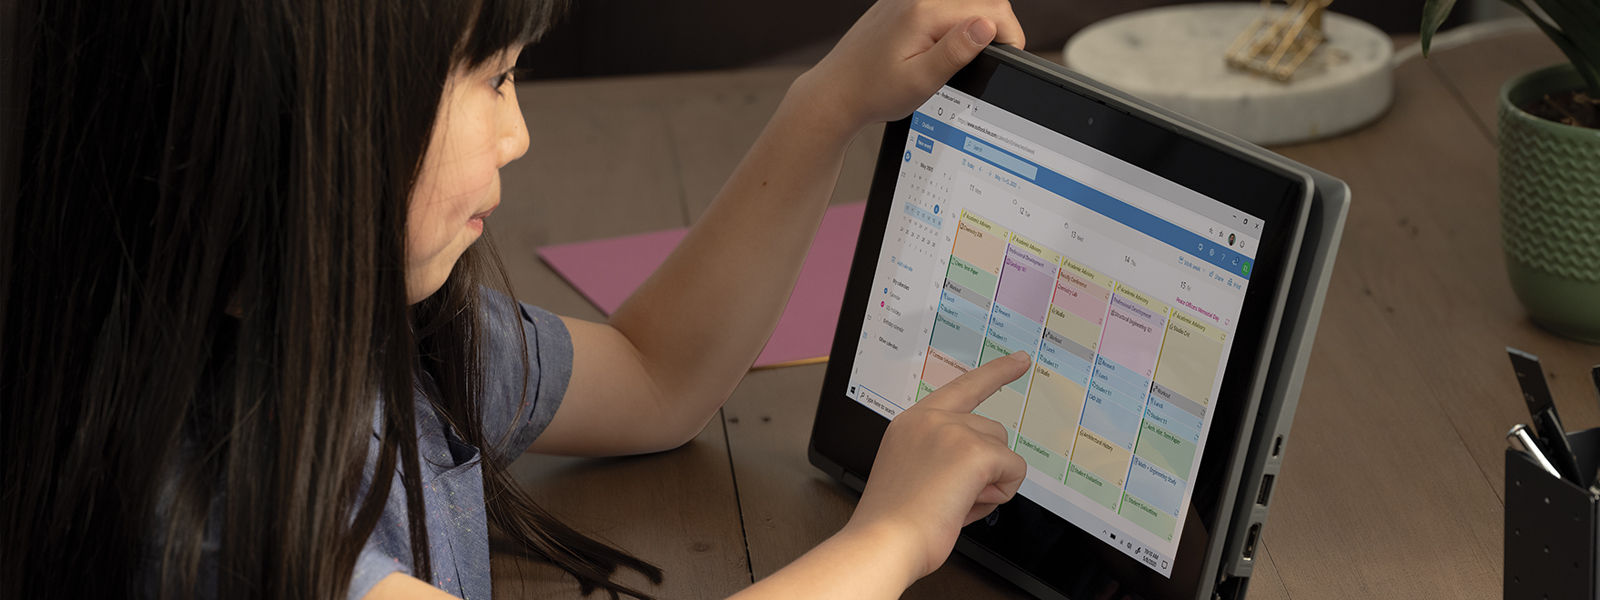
(202, 294)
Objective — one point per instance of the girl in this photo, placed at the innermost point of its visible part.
(247, 347)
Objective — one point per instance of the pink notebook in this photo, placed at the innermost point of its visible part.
(607, 271)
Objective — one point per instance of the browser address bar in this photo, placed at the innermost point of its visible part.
(1111, 186)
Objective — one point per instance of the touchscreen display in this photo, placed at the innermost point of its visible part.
(1124, 287)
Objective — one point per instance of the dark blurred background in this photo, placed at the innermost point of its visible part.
(623, 37)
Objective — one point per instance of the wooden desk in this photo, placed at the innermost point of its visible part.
(1392, 486)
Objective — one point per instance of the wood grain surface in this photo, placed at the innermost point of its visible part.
(1392, 484)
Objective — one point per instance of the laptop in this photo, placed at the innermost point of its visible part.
(1166, 280)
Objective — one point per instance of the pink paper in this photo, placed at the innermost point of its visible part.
(607, 271)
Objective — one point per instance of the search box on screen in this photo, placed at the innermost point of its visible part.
(1008, 161)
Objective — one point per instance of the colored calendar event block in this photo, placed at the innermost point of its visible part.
(1146, 516)
(992, 349)
(941, 369)
(956, 340)
(1189, 359)
(1040, 457)
(980, 242)
(1101, 457)
(1197, 325)
(1051, 414)
(1093, 486)
(1132, 335)
(1026, 282)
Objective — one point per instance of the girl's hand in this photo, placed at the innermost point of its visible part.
(899, 53)
(939, 468)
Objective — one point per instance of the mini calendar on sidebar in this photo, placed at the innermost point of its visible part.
(923, 211)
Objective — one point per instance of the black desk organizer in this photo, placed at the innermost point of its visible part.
(1551, 535)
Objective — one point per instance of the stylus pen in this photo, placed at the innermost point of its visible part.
(1542, 407)
(1520, 440)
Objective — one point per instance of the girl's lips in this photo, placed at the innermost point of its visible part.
(475, 223)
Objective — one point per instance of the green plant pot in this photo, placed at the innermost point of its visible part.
(1550, 208)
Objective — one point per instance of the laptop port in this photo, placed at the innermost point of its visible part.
(1266, 490)
(1250, 542)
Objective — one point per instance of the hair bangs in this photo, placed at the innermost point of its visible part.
(504, 24)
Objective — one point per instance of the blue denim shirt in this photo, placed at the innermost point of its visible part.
(452, 474)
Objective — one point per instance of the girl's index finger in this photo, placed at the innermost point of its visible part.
(965, 393)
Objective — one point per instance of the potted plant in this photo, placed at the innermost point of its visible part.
(1550, 169)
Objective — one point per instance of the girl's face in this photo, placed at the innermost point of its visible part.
(479, 129)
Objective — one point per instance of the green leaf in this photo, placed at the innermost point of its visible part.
(1573, 16)
(1581, 44)
(1433, 14)
(1579, 21)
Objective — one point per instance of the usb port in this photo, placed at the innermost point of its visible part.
(1250, 542)
(1277, 446)
(1266, 490)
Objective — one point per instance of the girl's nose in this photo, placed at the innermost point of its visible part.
(513, 141)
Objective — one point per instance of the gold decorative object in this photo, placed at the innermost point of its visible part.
(1279, 41)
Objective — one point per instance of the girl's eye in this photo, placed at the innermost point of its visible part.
(499, 81)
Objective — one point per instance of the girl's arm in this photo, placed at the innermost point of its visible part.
(652, 376)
